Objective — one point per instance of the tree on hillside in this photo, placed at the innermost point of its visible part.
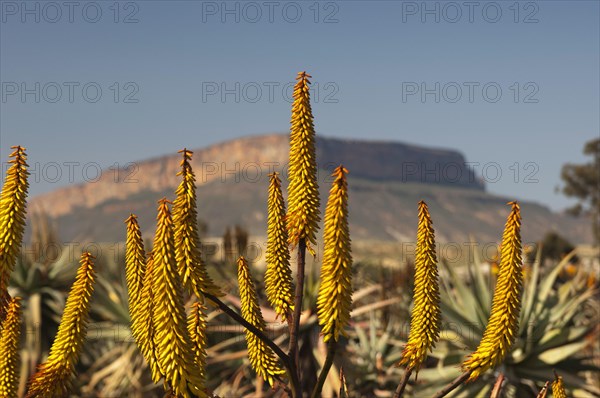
(582, 181)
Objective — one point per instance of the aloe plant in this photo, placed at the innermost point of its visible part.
(552, 335)
(160, 306)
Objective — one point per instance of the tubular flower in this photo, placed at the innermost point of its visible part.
(335, 292)
(9, 347)
(261, 357)
(278, 277)
(13, 208)
(303, 190)
(197, 330)
(426, 314)
(187, 241)
(171, 336)
(144, 329)
(53, 377)
(558, 388)
(135, 266)
(503, 324)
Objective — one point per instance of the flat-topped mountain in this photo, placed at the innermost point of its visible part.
(386, 181)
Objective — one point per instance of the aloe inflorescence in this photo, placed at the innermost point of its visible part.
(13, 207)
(278, 276)
(187, 241)
(334, 300)
(262, 358)
(426, 313)
(9, 349)
(171, 337)
(558, 387)
(197, 330)
(53, 378)
(503, 324)
(303, 190)
(144, 330)
(135, 267)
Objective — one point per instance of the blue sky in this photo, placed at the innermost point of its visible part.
(512, 85)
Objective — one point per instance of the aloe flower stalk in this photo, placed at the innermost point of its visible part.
(144, 329)
(9, 347)
(135, 267)
(334, 300)
(503, 324)
(53, 378)
(171, 338)
(426, 313)
(13, 209)
(558, 387)
(278, 276)
(262, 358)
(197, 330)
(187, 241)
(303, 190)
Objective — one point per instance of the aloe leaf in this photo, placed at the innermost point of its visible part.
(555, 355)
(546, 285)
(559, 337)
(530, 291)
(482, 288)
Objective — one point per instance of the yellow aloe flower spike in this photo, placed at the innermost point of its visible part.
(334, 301)
(426, 313)
(261, 357)
(187, 241)
(135, 266)
(503, 324)
(13, 208)
(54, 377)
(278, 276)
(9, 347)
(197, 330)
(171, 337)
(558, 388)
(303, 190)
(144, 329)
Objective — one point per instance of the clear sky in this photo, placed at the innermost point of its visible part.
(512, 85)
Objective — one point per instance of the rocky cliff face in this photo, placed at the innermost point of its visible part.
(396, 162)
(213, 163)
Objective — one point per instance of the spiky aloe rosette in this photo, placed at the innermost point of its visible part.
(135, 267)
(9, 349)
(426, 313)
(171, 338)
(278, 276)
(334, 300)
(13, 208)
(187, 241)
(558, 387)
(262, 358)
(53, 378)
(503, 324)
(303, 190)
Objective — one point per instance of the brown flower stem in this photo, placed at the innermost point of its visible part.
(295, 327)
(497, 390)
(331, 347)
(544, 391)
(403, 383)
(289, 364)
(450, 387)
